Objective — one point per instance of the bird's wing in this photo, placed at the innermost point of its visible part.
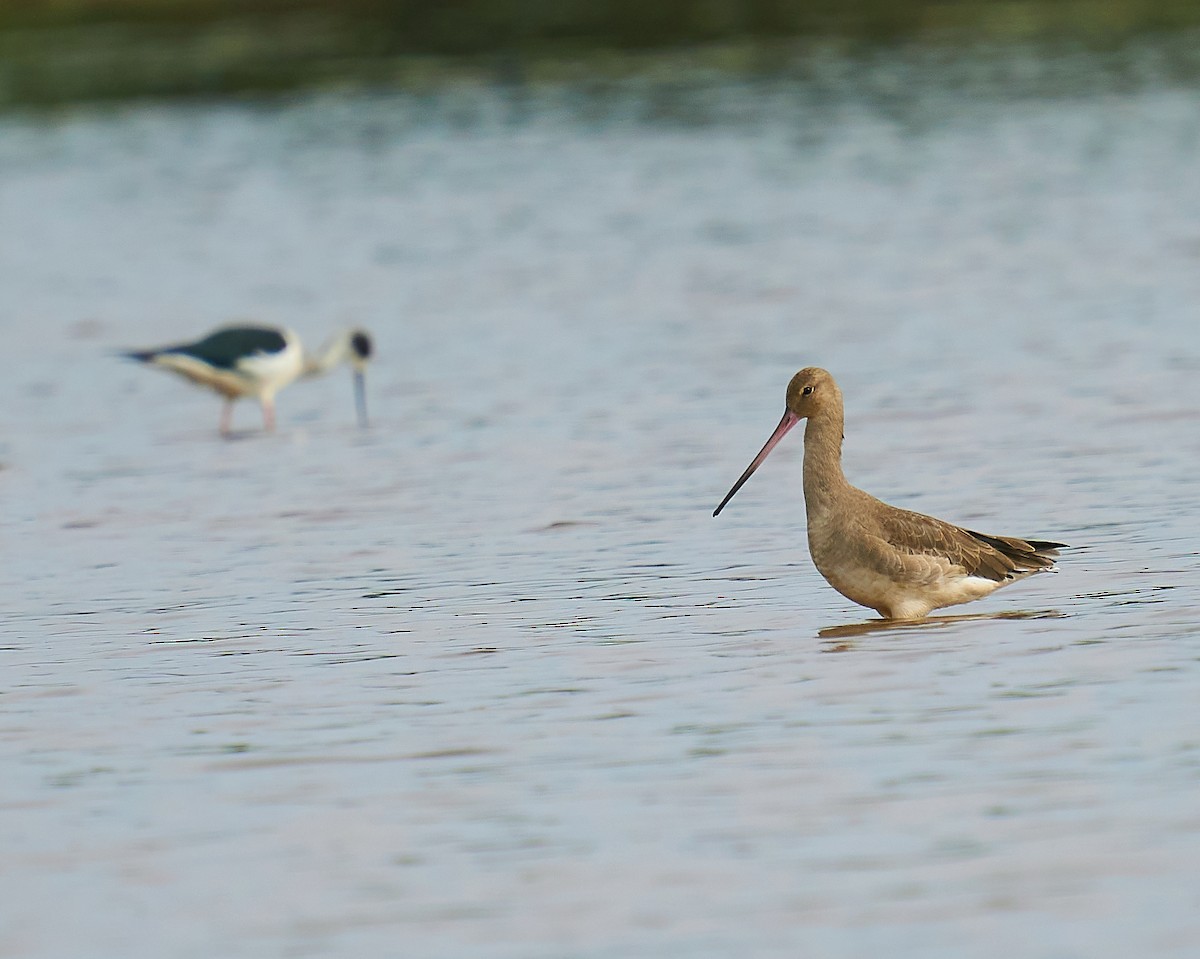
(993, 557)
(224, 349)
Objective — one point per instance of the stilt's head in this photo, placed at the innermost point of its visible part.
(360, 347)
(354, 347)
(810, 391)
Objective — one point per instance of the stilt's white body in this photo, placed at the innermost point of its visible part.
(258, 362)
(257, 375)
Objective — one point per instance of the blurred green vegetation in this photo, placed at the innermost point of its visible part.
(62, 50)
(478, 26)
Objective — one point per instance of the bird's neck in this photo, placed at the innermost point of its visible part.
(331, 354)
(823, 476)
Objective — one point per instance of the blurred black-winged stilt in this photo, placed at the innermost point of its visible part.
(259, 361)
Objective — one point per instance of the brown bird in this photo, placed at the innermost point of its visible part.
(899, 563)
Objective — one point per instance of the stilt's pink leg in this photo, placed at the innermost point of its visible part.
(268, 406)
(227, 418)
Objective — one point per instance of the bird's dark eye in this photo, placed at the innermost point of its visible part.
(806, 390)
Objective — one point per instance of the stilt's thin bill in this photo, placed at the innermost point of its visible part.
(789, 420)
(360, 397)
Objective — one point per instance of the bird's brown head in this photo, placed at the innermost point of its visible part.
(810, 391)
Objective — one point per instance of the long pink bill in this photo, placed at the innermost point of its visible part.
(789, 420)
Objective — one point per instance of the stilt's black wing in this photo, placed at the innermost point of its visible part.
(224, 348)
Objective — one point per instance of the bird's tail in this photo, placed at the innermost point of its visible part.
(1027, 554)
(142, 356)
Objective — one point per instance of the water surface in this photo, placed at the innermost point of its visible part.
(487, 679)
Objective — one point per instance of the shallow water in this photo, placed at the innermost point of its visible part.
(487, 679)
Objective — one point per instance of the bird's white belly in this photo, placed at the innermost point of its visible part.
(899, 591)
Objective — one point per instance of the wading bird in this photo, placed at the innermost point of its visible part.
(259, 361)
(899, 563)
